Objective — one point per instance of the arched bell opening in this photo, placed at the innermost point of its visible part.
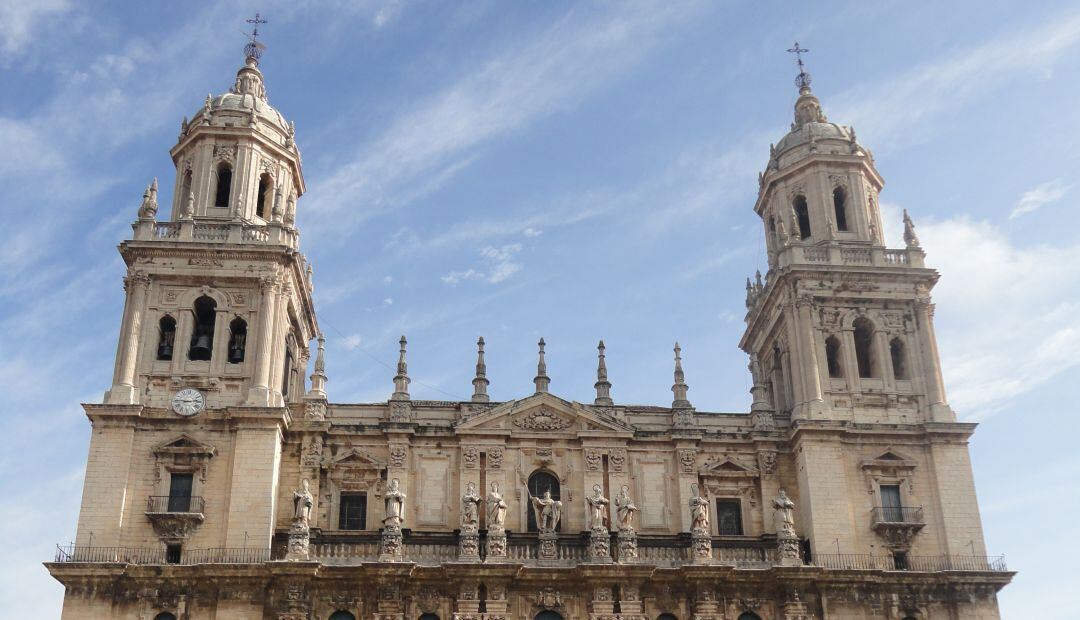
(202, 336)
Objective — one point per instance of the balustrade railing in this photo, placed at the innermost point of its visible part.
(898, 514)
(169, 503)
(148, 555)
(210, 232)
(913, 563)
(167, 230)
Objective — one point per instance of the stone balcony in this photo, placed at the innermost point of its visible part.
(202, 231)
(846, 255)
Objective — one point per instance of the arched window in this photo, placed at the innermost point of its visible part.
(165, 616)
(839, 200)
(864, 347)
(666, 617)
(166, 337)
(772, 229)
(548, 615)
(832, 356)
(342, 615)
(749, 615)
(802, 214)
(224, 186)
(266, 190)
(237, 340)
(899, 358)
(540, 482)
(202, 337)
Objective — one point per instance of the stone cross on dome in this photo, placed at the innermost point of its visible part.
(803, 79)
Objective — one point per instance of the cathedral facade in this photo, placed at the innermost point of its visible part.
(222, 483)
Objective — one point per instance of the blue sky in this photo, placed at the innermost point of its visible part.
(571, 171)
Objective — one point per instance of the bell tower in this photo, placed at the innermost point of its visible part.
(841, 327)
(219, 295)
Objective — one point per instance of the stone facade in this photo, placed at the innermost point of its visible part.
(222, 484)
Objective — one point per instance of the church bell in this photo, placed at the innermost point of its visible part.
(201, 349)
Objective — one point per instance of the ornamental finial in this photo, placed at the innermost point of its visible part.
(542, 380)
(603, 386)
(401, 379)
(680, 388)
(318, 378)
(803, 79)
(253, 50)
(480, 382)
(910, 238)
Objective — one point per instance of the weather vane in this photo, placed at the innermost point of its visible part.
(803, 79)
(254, 49)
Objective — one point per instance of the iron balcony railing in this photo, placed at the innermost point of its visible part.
(146, 555)
(168, 503)
(898, 514)
(913, 563)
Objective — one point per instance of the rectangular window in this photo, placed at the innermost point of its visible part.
(891, 508)
(352, 514)
(172, 554)
(729, 517)
(180, 492)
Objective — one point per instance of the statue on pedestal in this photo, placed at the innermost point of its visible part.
(548, 511)
(302, 502)
(470, 517)
(784, 516)
(625, 509)
(699, 512)
(496, 508)
(597, 516)
(394, 501)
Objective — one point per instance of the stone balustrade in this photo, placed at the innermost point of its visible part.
(216, 232)
(851, 256)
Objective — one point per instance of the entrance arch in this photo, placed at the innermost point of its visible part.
(749, 615)
(548, 615)
(539, 482)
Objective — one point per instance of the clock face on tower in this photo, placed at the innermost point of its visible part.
(188, 402)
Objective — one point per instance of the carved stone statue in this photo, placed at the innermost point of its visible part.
(625, 509)
(470, 501)
(302, 503)
(496, 508)
(548, 511)
(395, 505)
(597, 515)
(699, 512)
(784, 516)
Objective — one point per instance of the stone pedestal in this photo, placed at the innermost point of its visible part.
(299, 541)
(790, 554)
(391, 547)
(700, 548)
(549, 547)
(469, 545)
(496, 544)
(627, 546)
(599, 545)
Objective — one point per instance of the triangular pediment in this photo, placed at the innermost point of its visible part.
(892, 458)
(184, 443)
(728, 468)
(543, 413)
(356, 458)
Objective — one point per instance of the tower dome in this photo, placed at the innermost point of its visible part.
(245, 105)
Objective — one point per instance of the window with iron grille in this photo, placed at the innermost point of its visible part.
(728, 517)
(352, 514)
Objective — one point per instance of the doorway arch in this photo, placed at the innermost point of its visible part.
(539, 482)
(548, 615)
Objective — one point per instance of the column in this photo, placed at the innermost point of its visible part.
(810, 371)
(931, 363)
(884, 355)
(123, 391)
(259, 394)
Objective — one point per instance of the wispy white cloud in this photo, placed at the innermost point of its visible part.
(20, 22)
(997, 298)
(551, 71)
(500, 266)
(1038, 197)
(894, 110)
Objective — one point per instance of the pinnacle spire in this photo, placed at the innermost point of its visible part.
(401, 379)
(603, 386)
(318, 378)
(680, 388)
(910, 238)
(542, 380)
(480, 382)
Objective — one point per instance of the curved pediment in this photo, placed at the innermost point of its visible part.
(544, 413)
